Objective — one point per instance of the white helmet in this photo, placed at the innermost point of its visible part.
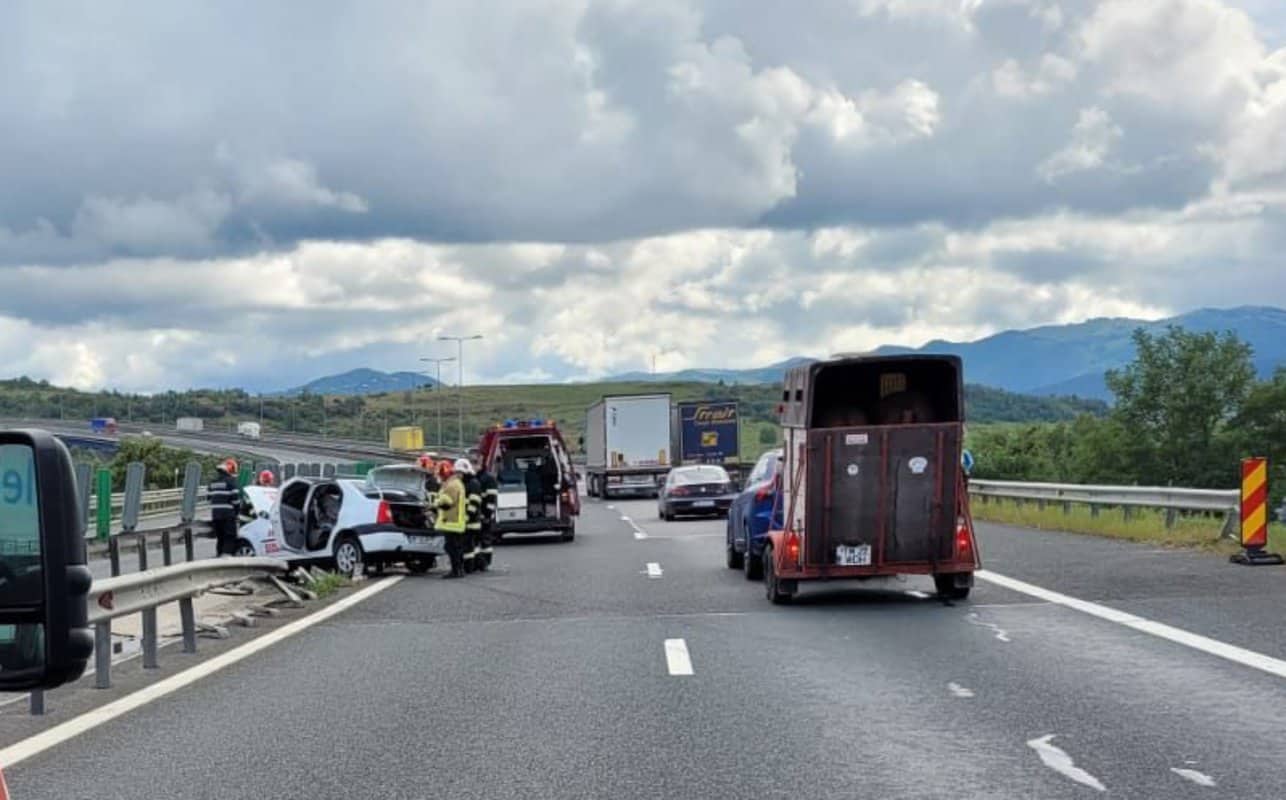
(463, 466)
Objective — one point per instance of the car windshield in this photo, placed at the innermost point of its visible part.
(663, 399)
(700, 475)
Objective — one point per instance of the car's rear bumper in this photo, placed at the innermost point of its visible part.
(391, 540)
(698, 505)
(532, 525)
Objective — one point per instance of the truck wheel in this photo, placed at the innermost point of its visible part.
(948, 589)
(772, 586)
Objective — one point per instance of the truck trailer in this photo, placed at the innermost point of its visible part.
(627, 445)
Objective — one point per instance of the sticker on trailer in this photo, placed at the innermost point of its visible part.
(918, 465)
(856, 438)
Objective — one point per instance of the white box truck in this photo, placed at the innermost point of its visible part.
(627, 445)
(189, 424)
(249, 430)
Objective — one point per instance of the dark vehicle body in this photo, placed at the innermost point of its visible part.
(872, 483)
(695, 490)
(751, 515)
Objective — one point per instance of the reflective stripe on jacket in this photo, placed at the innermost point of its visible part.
(473, 488)
(450, 503)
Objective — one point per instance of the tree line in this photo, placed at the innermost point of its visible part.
(1187, 409)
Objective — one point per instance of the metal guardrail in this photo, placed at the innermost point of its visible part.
(1169, 499)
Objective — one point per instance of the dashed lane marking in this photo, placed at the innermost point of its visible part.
(677, 659)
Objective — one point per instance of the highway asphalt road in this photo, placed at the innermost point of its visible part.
(552, 677)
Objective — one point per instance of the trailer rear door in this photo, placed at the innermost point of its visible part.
(891, 489)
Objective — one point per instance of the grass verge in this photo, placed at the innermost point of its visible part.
(327, 583)
(1144, 525)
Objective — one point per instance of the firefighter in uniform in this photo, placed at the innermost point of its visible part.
(431, 486)
(225, 499)
(490, 503)
(452, 516)
(473, 531)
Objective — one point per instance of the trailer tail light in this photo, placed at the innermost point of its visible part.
(384, 514)
(964, 542)
(792, 547)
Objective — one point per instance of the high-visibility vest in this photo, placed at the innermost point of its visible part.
(452, 514)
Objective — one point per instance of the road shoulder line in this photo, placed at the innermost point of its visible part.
(34, 745)
(1214, 647)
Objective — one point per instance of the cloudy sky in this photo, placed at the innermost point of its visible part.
(255, 194)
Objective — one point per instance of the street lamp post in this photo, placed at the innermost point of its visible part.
(437, 390)
(459, 386)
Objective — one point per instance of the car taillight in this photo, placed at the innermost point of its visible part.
(384, 514)
(964, 542)
(680, 490)
(764, 491)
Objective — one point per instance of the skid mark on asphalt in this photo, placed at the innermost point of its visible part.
(1214, 647)
(960, 691)
(677, 659)
(1199, 778)
(1000, 632)
(1059, 761)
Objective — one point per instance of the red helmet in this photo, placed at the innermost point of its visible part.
(266, 478)
(229, 466)
(445, 470)
(426, 462)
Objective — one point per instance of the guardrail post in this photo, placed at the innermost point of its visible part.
(1094, 510)
(1170, 515)
(103, 512)
(187, 512)
(1067, 508)
(187, 615)
(1128, 513)
(103, 655)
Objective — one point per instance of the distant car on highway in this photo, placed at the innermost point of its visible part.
(750, 515)
(345, 522)
(696, 490)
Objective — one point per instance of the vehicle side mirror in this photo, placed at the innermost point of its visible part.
(45, 640)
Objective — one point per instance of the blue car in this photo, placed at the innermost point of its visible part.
(748, 518)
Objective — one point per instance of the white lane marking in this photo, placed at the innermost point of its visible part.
(1239, 655)
(676, 657)
(653, 569)
(611, 507)
(918, 593)
(21, 751)
(1001, 633)
(639, 533)
(1062, 763)
(1199, 778)
(960, 691)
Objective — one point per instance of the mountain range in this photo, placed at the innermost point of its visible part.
(1052, 359)
(362, 381)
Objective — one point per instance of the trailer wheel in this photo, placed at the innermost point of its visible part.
(948, 587)
(772, 586)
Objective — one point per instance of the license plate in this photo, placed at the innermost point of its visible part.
(419, 539)
(849, 555)
(509, 515)
(703, 504)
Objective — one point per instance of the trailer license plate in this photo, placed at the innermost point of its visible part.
(847, 555)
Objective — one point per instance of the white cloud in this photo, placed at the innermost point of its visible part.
(294, 183)
(1093, 137)
(1053, 72)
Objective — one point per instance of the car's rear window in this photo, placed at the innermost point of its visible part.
(701, 475)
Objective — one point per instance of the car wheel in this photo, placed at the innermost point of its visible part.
(752, 564)
(734, 558)
(348, 556)
(947, 588)
(772, 586)
(244, 549)
(420, 565)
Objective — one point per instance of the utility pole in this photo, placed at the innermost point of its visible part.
(437, 391)
(459, 386)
